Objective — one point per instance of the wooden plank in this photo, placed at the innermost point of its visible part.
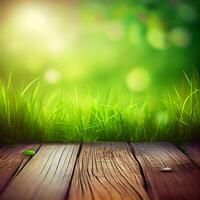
(11, 161)
(46, 176)
(107, 171)
(183, 183)
(193, 152)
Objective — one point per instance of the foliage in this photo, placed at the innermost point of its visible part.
(30, 115)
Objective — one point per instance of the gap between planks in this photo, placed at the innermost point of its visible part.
(181, 184)
(107, 171)
(192, 150)
(12, 160)
(46, 176)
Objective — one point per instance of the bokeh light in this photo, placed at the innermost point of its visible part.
(52, 76)
(187, 12)
(157, 38)
(162, 118)
(138, 79)
(180, 37)
(94, 44)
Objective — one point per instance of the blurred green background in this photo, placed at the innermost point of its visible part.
(132, 45)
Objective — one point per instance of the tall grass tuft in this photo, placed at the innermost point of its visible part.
(28, 115)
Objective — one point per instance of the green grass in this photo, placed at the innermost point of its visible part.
(32, 115)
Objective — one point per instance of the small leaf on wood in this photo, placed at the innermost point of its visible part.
(29, 152)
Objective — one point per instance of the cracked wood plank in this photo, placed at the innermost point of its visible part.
(46, 176)
(12, 160)
(107, 171)
(183, 183)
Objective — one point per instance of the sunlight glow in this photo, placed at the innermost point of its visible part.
(97, 43)
(33, 19)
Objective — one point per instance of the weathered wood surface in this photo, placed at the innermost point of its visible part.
(181, 184)
(46, 176)
(193, 152)
(102, 171)
(12, 160)
(107, 171)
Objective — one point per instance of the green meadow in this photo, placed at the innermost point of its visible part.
(99, 70)
(29, 115)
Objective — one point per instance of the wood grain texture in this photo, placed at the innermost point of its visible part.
(107, 171)
(181, 184)
(193, 152)
(46, 176)
(12, 160)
